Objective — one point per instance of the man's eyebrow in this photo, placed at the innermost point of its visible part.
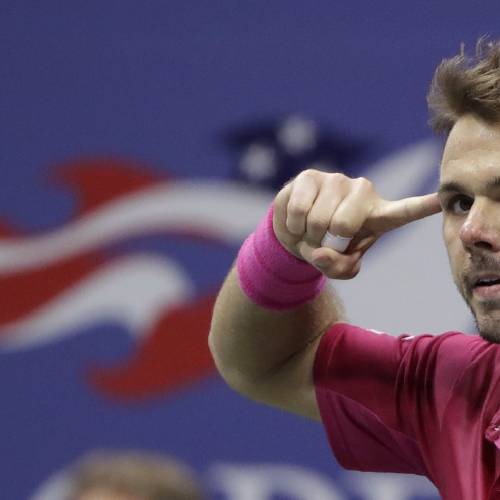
(455, 187)
(452, 186)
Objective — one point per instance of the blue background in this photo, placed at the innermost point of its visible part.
(159, 82)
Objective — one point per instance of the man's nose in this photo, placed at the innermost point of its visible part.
(481, 229)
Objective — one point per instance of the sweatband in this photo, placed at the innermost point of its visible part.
(270, 275)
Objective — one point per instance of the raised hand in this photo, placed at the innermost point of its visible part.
(316, 202)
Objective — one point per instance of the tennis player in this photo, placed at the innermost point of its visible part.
(423, 404)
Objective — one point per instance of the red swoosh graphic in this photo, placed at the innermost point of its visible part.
(23, 292)
(97, 181)
(175, 354)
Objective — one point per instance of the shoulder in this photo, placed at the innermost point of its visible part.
(346, 347)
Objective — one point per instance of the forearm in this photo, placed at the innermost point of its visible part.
(273, 309)
(250, 343)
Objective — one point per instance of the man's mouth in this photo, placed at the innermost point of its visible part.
(487, 286)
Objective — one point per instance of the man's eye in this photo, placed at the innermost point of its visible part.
(459, 204)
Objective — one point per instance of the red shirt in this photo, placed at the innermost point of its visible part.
(427, 405)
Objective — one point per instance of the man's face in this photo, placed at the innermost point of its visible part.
(470, 197)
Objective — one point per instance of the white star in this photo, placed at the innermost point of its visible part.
(297, 135)
(258, 162)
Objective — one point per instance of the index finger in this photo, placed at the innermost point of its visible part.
(393, 214)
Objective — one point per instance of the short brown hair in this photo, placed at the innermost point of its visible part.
(146, 475)
(463, 85)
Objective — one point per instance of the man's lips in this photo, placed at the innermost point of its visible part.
(487, 292)
(486, 285)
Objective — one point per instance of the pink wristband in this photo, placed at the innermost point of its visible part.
(270, 275)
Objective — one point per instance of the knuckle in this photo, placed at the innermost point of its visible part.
(280, 198)
(407, 210)
(287, 183)
(363, 183)
(308, 173)
(347, 271)
(336, 178)
(353, 272)
(349, 275)
(284, 188)
(283, 194)
(338, 270)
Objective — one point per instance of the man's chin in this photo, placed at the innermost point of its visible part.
(488, 328)
(490, 336)
(487, 318)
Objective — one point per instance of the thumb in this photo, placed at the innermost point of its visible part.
(393, 214)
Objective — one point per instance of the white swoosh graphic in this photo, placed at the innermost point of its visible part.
(223, 210)
(131, 290)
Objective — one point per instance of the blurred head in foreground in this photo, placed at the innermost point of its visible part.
(132, 476)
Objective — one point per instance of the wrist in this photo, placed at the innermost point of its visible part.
(270, 275)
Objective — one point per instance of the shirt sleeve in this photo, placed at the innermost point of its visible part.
(378, 394)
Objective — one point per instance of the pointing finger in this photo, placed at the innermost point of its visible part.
(392, 214)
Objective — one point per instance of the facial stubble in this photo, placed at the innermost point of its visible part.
(487, 325)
